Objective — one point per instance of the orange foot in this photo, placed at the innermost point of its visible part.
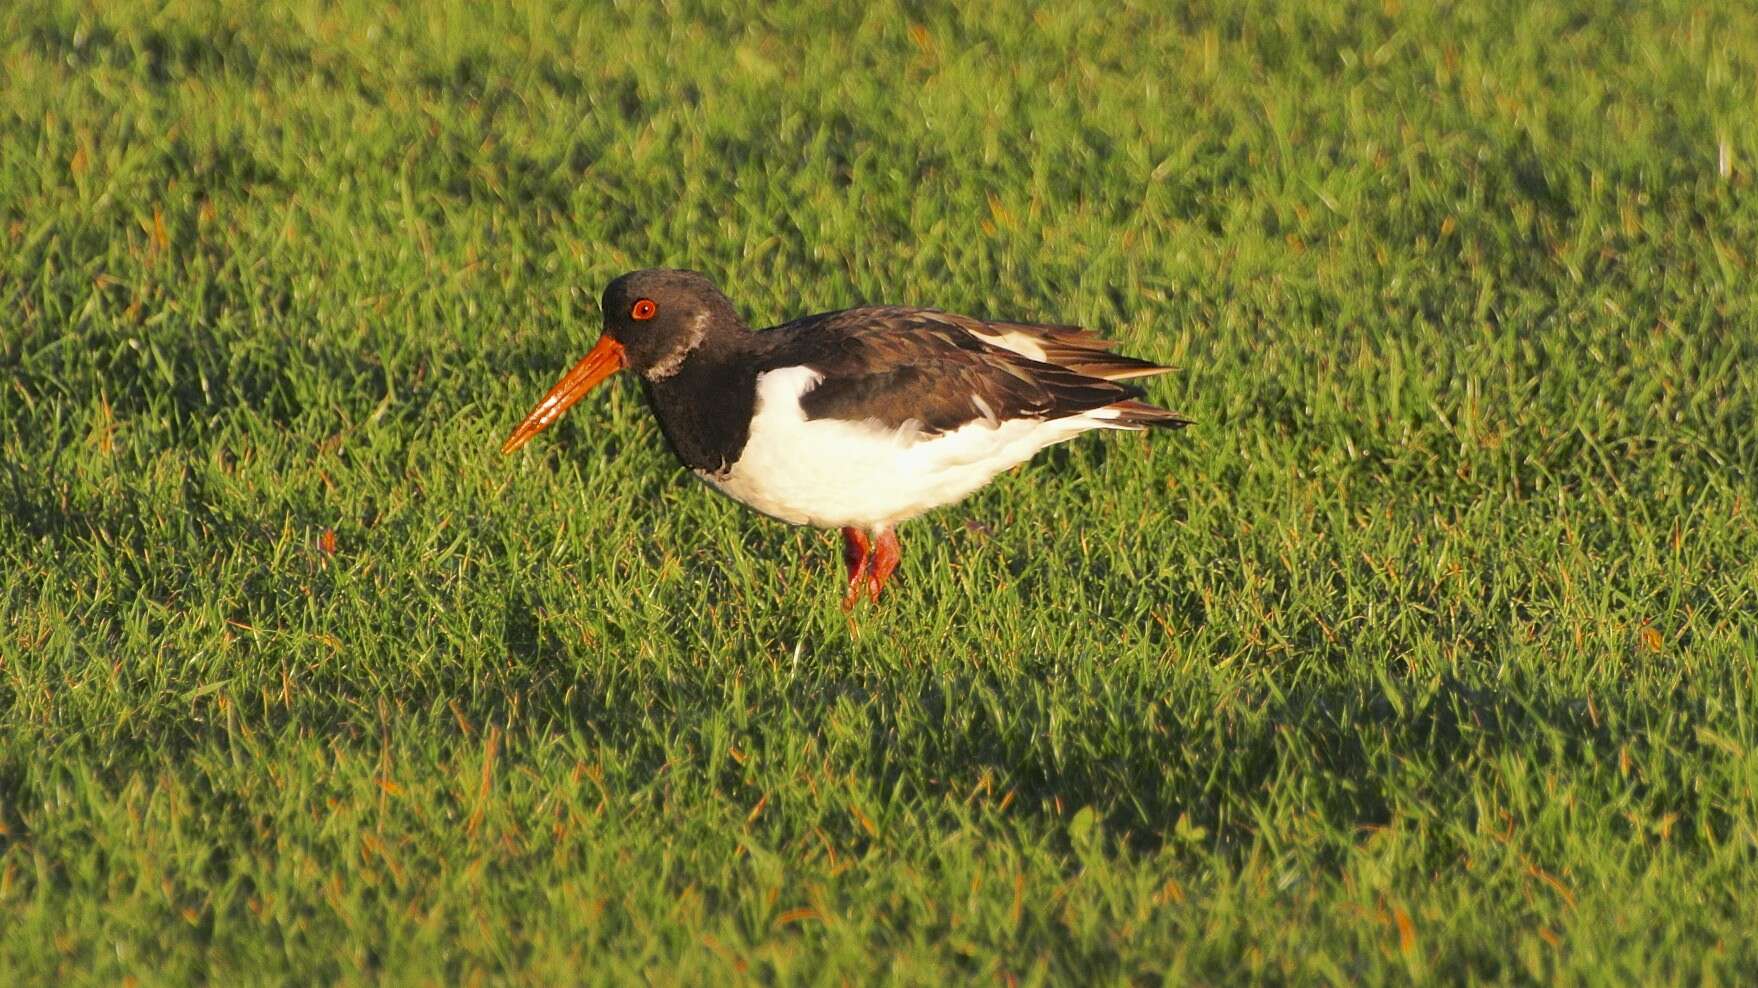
(886, 553)
(859, 559)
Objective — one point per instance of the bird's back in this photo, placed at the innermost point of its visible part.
(896, 364)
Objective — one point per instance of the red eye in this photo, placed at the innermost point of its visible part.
(644, 309)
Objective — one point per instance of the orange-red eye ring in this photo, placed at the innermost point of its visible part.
(643, 309)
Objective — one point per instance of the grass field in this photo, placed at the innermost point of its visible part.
(1428, 653)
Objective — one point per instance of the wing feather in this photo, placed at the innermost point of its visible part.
(895, 366)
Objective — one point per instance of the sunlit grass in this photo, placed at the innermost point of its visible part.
(1428, 652)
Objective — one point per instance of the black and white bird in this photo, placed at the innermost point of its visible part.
(860, 419)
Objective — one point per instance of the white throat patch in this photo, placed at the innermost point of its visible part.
(669, 365)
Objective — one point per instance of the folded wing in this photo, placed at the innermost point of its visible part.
(895, 366)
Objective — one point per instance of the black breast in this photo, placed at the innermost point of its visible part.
(705, 410)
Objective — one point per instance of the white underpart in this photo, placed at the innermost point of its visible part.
(833, 473)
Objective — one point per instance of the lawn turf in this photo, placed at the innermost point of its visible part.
(1427, 653)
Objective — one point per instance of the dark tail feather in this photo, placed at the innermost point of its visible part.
(1132, 414)
(1069, 346)
(1110, 366)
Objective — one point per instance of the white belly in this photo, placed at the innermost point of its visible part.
(832, 473)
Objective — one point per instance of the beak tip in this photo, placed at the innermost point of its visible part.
(604, 359)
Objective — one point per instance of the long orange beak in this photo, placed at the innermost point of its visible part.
(604, 359)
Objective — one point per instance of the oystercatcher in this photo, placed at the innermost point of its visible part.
(858, 419)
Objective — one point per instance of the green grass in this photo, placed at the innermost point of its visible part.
(1428, 653)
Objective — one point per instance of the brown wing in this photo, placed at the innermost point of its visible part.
(894, 365)
(1065, 346)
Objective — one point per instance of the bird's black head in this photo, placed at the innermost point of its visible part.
(661, 316)
(654, 320)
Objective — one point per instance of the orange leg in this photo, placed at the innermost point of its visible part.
(859, 560)
(886, 553)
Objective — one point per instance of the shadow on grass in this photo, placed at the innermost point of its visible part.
(1144, 745)
(1354, 756)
